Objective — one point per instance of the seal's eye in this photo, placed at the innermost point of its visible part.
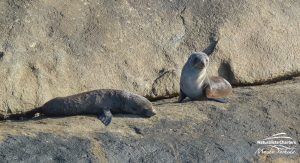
(196, 61)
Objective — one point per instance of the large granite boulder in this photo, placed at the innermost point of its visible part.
(57, 48)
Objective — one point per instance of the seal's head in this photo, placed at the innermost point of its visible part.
(198, 60)
(137, 104)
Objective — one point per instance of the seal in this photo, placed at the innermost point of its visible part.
(197, 85)
(101, 102)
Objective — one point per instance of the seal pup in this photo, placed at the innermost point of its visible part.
(197, 85)
(101, 102)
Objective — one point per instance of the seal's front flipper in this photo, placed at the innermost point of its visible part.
(105, 117)
(182, 96)
(221, 100)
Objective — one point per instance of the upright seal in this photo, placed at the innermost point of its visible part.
(196, 84)
(101, 102)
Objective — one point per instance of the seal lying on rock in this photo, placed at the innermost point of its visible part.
(102, 102)
(196, 84)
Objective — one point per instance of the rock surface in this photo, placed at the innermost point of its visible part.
(193, 131)
(57, 48)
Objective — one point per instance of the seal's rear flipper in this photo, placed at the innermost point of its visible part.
(23, 116)
(221, 100)
(105, 117)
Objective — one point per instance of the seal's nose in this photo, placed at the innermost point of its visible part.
(199, 63)
(154, 111)
(150, 113)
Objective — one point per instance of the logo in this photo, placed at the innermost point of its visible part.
(278, 143)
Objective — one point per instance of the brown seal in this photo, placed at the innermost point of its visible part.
(101, 102)
(196, 84)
